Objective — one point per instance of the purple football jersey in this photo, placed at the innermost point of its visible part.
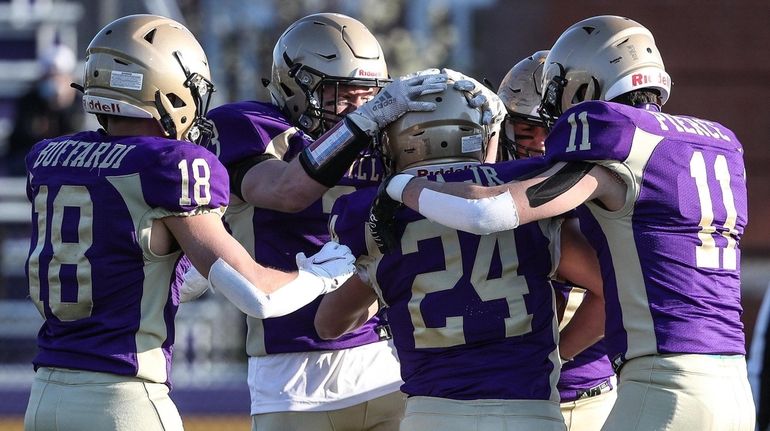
(670, 257)
(249, 129)
(590, 369)
(472, 316)
(108, 301)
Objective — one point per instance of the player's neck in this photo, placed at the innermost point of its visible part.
(118, 126)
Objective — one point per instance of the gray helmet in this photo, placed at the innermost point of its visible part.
(322, 49)
(601, 58)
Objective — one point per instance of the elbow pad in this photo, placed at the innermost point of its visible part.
(477, 216)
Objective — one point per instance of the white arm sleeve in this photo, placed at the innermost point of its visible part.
(477, 216)
(252, 301)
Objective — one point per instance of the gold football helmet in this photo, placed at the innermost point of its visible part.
(521, 88)
(521, 93)
(318, 50)
(149, 66)
(601, 58)
(453, 133)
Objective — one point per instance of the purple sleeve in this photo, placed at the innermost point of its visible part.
(345, 220)
(246, 129)
(590, 131)
(185, 177)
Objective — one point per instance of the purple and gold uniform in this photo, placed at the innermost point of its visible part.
(472, 316)
(108, 301)
(587, 382)
(253, 129)
(670, 258)
(590, 372)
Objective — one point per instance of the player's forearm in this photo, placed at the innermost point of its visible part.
(345, 309)
(281, 186)
(584, 329)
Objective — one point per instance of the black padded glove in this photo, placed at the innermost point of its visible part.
(382, 219)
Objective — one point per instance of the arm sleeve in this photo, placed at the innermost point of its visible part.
(253, 302)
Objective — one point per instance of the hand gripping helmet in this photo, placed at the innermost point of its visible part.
(317, 50)
(601, 58)
(148, 66)
(521, 93)
(453, 133)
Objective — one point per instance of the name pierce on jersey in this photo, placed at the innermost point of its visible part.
(69, 153)
(691, 125)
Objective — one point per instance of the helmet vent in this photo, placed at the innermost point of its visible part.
(328, 56)
(119, 61)
(622, 42)
(150, 35)
(175, 100)
(589, 30)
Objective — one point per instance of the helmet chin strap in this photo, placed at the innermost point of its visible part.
(166, 122)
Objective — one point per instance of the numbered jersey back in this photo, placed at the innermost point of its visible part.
(472, 316)
(109, 303)
(670, 257)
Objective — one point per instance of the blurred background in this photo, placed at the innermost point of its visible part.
(716, 52)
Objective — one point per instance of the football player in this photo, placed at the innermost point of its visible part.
(112, 211)
(472, 315)
(665, 208)
(288, 161)
(586, 384)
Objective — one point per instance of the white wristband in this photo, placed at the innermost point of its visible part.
(397, 185)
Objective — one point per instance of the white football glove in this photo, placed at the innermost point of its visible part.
(333, 264)
(398, 98)
(193, 286)
(481, 97)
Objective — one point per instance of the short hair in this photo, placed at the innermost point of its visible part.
(639, 97)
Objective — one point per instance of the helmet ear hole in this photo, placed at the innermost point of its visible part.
(580, 94)
(287, 91)
(176, 101)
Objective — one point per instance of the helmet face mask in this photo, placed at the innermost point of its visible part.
(317, 51)
(148, 66)
(601, 58)
(450, 135)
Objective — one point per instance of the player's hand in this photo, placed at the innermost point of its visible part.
(333, 264)
(398, 98)
(382, 219)
(481, 97)
(193, 286)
